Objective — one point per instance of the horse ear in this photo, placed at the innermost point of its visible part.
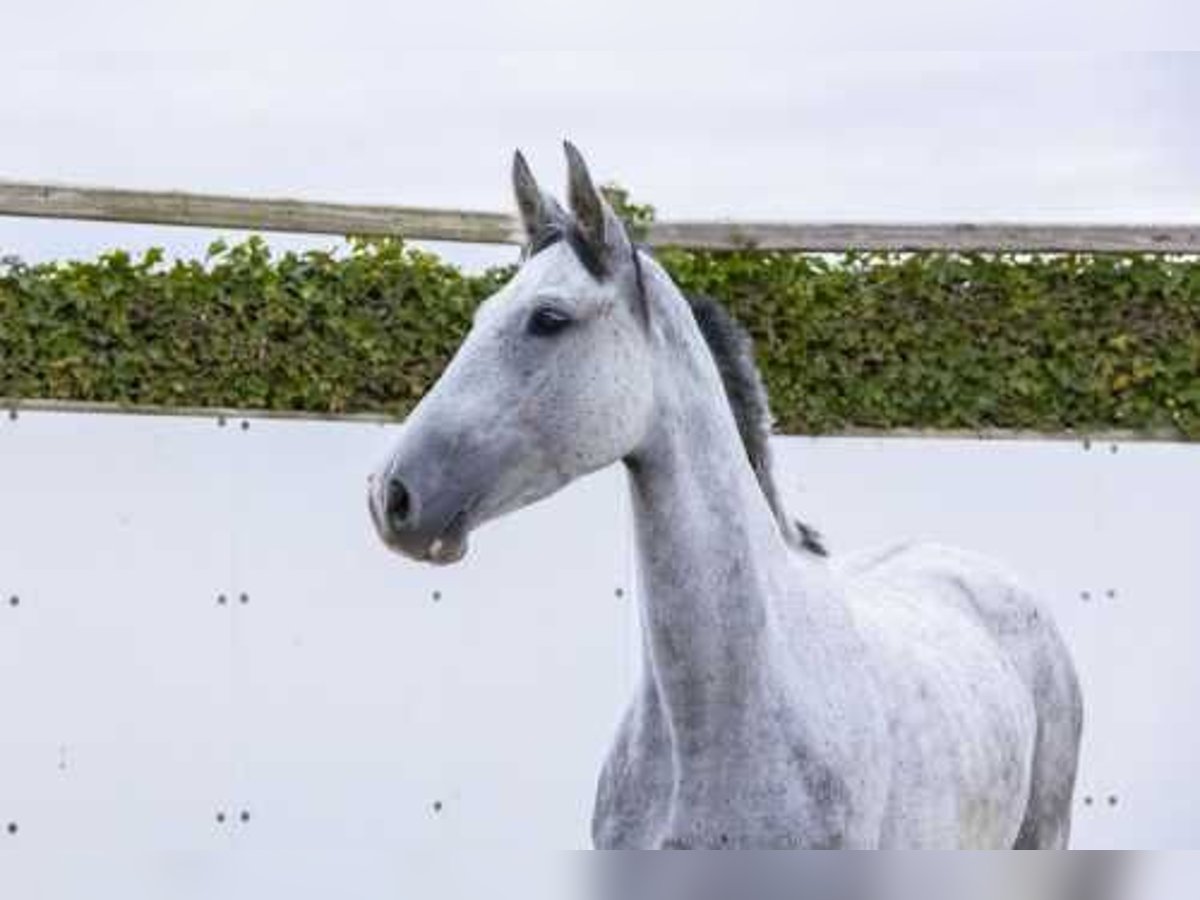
(599, 225)
(537, 209)
(586, 203)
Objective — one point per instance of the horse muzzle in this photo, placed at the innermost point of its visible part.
(434, 532)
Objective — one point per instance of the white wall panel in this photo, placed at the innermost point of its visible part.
(115, 677)
(372, 716)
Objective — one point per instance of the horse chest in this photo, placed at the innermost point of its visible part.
(770, 789)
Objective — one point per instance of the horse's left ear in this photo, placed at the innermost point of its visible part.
(601, 228)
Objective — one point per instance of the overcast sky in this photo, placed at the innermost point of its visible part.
(384, 102)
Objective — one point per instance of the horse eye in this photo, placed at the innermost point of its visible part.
(546, 321)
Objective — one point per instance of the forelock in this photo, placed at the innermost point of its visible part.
(567, 231)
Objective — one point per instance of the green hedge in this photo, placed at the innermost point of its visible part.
(1050, 343)
(926, 340)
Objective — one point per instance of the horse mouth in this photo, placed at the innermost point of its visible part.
(451, 545)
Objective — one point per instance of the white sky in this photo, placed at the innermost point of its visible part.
(418, 104)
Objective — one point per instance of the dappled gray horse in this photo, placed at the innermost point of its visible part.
(915, 697)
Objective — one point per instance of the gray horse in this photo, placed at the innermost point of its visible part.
(916, 697)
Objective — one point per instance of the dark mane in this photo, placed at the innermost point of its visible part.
(733, 351)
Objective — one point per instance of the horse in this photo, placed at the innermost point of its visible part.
(913, 697)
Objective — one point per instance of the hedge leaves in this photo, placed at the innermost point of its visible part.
(871, 340)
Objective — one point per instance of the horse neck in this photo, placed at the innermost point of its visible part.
(712, 560)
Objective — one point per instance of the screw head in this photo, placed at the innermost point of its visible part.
(12, 828)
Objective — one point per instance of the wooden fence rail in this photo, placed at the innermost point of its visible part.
(55, 201)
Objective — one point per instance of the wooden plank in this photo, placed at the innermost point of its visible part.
(49, 201)
(215, 211)
(961, 236)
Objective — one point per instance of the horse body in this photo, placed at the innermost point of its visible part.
(912, 698)
(930, 739)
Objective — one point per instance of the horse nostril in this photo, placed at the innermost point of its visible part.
(398, 503)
